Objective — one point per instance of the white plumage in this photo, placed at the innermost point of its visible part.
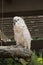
(21, 33)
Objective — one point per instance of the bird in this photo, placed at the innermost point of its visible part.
(22, 35)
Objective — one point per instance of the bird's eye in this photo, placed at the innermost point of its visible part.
(18, 19)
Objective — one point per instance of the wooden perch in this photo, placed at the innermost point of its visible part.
(11, 51)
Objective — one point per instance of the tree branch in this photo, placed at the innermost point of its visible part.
(12, 51)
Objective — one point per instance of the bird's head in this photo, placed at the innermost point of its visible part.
(18, 20)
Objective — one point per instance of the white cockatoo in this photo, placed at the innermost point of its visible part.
(21, 33)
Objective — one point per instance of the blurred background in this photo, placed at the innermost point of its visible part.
(31, 11)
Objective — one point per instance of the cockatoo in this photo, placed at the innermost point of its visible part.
(22, 35)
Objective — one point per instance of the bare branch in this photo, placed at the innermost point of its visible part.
(11, 51)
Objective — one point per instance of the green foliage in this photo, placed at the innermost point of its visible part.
(37, 38)
(36, 60)
(9, 61)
